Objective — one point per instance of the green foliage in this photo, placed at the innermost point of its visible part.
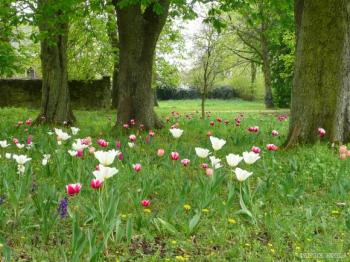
(294, 203)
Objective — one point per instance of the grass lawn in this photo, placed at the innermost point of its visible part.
(294, 205)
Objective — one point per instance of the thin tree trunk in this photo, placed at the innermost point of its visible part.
(267, 71)
(138, 35)
(203, 104)
(321, 88)
(55, 104)
(252, 79)
(114, 40)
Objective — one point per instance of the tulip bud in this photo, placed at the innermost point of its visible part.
(185, 162)
(209, 172)
(160, 152)
(145, 202)
(137, 167)
(175, 156)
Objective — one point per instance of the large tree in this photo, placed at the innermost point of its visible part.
(53, 21)
(321, 88)
(138, 29)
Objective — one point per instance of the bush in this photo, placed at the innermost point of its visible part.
(167, 93)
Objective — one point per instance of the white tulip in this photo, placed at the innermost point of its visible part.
(106, 158)
(202, 152)
(233, 160)
(242, 174)
(251, 157)
(78, 145)
(20, 146)
(21, 159)
(61, 135)
(72, 152)
(105, 172)
(217, 143)
(131, 145)
(4, 144)
(215, 162)
(176, 132)
(8, 155)
(74, 130)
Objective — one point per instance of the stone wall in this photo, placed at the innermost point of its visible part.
(87, 95)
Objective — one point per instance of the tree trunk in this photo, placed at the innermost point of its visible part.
(112, 31)
(267, 71)
(55, 103)
(138, 35)
(203, 105)
(321, 87)
(252, 79)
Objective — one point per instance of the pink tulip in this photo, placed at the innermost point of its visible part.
(96, 184)
(343, 149)
(218, 119)
(185, 162)
(321, 132)
(73, 189)
(160, 152)
(204, 165)
(92, 150)
(102, 143)
(253, 129)
(126, 126)
(151, 133)
(97, 167)
(121, 157)
(274, 133)
(256, 150)
(132, 122)
(271, 147)
(87, 141)
(209, 172)
(29, 140)
(145, 202)
(175, 156)
(118, 144)
(226, 122)
(132, 138)
(15, 141)
(137, 167)
(80, 153)
(142, 126)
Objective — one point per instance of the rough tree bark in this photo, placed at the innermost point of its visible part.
(321, 88)
(55, 104)
(138, 34)
(252, 79)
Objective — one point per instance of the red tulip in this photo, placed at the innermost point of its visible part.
(121, 156)
(29, 122)
(151, 133)
(185, 162)
(271, 147)
(256, 150)
(321, 132)
(212, 123)
(137, 167)
(96, 184)
(274, 133)
(175, 155)
(102, 143)
(132, 138)
(204, 165)
(73, 189)
(145, 202)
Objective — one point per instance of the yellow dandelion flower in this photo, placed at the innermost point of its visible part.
(297, 248)
(205, 210)
(269, 244)
(231, 221)
(187, 207)
(247, 244)
(335, 212)
(181, 258)
(173, 242)
(123, 216)
(272, 250)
